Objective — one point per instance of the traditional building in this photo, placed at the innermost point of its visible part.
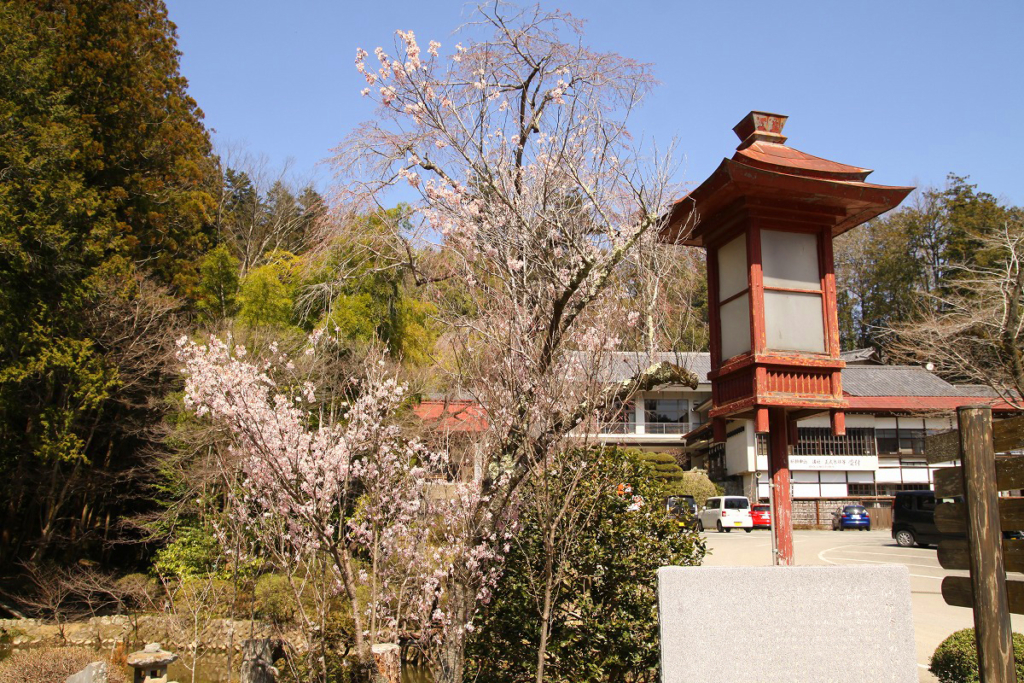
(891, 409)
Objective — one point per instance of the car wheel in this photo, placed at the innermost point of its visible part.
(718, 525)
(904, 538)
(700, 525)
(748, 530)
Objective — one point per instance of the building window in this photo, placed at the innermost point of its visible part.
(716, 462)
(621, 419)
(666, 415)
(907, 438)
(892, 489)
(900, 440)
(821, 441)
(861, 489)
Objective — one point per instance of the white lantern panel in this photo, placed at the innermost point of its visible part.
(732, 268)
(790, 259)
(735, 319)
(794, 321)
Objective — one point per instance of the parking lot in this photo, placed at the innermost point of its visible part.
(933, 618)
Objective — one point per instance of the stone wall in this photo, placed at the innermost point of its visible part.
(218, 635)
(816, 513)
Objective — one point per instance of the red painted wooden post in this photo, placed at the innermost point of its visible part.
(756, 283)
(782, 498)
(713, 322)
(838, 422)
(761, 425)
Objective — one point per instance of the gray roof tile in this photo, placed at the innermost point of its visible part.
(625, 364)
(858, 380)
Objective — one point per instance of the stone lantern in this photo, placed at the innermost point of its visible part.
(151, 664)
(767, 218)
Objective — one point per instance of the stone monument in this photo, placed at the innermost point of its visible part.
(833, 624)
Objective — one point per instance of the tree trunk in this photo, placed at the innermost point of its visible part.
(545, 616)
(258, 657)
(388, 657)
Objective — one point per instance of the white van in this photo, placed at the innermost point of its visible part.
(726, 513)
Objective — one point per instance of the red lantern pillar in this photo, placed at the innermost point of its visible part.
(779, 480)
(767, 218)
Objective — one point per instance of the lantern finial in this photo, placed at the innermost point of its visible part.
(760, 126)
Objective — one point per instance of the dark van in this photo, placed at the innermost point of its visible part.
(913, 519)
(683, 509)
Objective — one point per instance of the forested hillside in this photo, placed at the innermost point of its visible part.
(120, 230)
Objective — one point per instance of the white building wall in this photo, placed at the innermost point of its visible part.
(890, 469)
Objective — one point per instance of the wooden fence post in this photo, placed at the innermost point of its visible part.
(988, 579)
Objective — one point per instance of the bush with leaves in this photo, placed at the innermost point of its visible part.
(696, 483)
(605, 624)
(956, 658)
(275, 598)
(193, 552)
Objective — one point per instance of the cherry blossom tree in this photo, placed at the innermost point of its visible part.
(330, 485)
(533, 198)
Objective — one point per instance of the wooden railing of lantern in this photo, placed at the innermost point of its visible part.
(982, 516)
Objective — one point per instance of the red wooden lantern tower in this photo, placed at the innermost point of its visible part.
(767, 218)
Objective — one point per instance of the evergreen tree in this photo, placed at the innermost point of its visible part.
(105, 201)
(903, 266)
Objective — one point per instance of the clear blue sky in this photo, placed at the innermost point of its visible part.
(913, 89)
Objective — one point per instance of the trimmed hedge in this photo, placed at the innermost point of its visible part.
(956, 658)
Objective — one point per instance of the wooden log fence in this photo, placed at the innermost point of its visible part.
(982, 517)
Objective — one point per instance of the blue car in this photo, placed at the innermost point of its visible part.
(851, 517)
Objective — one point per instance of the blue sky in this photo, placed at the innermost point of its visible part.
(912, 89)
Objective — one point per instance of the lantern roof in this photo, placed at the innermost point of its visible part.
(766, 174)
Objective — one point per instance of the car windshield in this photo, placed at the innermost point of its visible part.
(854, 509)
(761, 508)
(736, 504)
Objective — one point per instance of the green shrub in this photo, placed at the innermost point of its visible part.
(604, 624)
(664, 468)
(956, 658)
(193, 552)
(275, 600)
(697, 484)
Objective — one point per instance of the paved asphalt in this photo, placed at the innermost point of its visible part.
(933, 618)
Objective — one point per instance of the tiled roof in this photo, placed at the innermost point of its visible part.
(454, 416)
(623, 365)
(858, 380)
(860, 356)
(977, 390)
(895, 380)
